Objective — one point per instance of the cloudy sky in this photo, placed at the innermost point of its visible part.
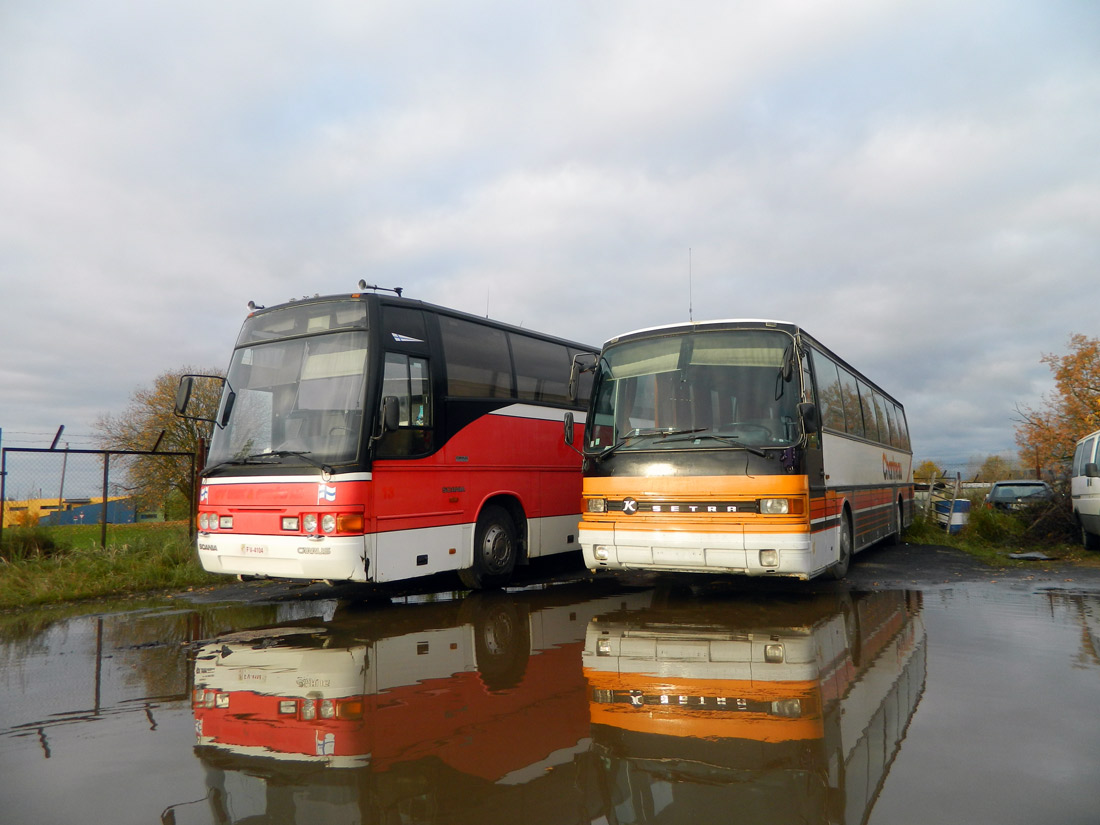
(915, 183)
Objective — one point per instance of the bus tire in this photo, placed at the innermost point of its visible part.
(502, 639)
(844, 554)
(1091, 541)
(495, 550)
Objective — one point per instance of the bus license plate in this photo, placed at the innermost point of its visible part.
(253, 549)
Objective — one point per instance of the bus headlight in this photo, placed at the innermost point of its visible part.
(775, 506)
(773, 653)
(791, 708)
(309, 523)
(769, 558)
(600, 552)
(597, 505)
(328, 523)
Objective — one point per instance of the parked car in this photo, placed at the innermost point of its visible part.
(1016, 495)
(1085, 490)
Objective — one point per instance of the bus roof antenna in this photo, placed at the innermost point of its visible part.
(397, 290)
(690, 318)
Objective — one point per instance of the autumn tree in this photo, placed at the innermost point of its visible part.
(998, 468)
(927, 470)
(1046, 436)
(149, 420)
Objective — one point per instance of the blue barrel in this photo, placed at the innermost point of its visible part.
(953, 518)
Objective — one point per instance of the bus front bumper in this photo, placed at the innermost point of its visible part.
(333, 558)
(730, 551)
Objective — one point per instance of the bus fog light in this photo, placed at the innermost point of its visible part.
(769, 558)
(597, 505)
(601, 553)
(775, 506)
(226, 522)
(773, 654)
(290, 523)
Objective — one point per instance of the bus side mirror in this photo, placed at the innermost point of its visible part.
(576, 370)
(230, 400)
(569, 428)
(183, 393)
(391, 413)
(1092, 471)
(808, 411)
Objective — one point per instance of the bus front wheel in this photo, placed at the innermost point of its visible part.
(844, 551)
(494, 550)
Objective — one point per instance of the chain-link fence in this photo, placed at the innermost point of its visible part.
(50, 488)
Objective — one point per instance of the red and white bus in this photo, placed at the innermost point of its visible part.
(374, 438)
(470, 710)
(738, 447)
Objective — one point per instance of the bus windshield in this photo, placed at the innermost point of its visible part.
(301, 397)
(697, 390)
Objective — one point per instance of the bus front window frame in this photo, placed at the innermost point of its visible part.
(298, 398)
(695, 391)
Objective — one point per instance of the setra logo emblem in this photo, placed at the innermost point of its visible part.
(630, 506)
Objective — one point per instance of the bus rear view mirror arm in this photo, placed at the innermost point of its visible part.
(569, 424)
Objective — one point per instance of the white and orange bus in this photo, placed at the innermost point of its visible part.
(741, 447)
(373, 438)
(784, 710)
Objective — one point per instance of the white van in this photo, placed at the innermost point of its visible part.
(1085, 489)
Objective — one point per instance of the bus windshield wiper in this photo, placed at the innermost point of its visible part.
(258, 458)
(637, 432)
(725, 439)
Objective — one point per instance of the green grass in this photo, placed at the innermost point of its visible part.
(992, 535)
(61, 564)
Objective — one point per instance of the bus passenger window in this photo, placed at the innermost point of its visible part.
(478, 363)
(829, 395)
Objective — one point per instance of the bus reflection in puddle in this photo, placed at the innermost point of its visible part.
(783, 711)
(412, 713)
(564, 705)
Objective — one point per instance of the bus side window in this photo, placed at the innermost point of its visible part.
(542, 369)
(478, 362)
(407, 379)
(867, 404)
(829, 394)
(903, 429)
(849, 395)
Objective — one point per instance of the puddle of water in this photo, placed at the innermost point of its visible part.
(568, 704)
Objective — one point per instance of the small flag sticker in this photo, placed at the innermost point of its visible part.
(204, 495)
(325, 492)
